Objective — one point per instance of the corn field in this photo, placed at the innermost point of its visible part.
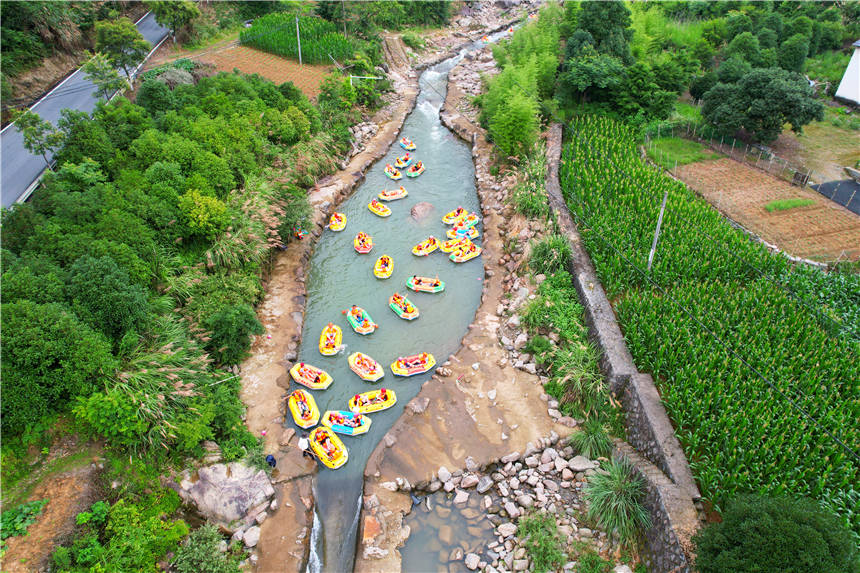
(739, 434)
(276, 33)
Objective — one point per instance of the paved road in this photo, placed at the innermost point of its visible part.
(20, 168)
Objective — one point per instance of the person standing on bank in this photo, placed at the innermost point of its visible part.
(305, 446)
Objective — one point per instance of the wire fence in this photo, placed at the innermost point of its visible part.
(754, 155)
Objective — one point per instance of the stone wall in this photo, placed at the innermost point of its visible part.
(657, 456)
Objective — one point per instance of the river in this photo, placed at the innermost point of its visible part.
(339, 277)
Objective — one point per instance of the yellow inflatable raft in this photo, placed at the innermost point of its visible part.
(407, 144)
(310, 376)
(425, 247)
(366, 367)
(403, 307)
(460, 232)
(452, 245)
(452, 217)
(465, 254)
(330, 450)
(373, 401)
(362, 242)
(404, 161)
(330, 339)
(347, 423)
(304, 409)
(378, 208)
(384, 267)
(337, 222)
(425, 284)
(412, 365)
(399, 193)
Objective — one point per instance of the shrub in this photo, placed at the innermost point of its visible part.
(770, 535)
(515, 127)
(231, 329)
(550, 255)
(543, 542)
(615, 501)
(592, 441)
(206, 216)
(591, 562)
(14, 522)
(413, 40)
(200, 553)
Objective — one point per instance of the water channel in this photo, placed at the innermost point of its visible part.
(340, 277)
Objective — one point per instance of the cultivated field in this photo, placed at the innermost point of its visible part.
(250, 61)
(821, 230)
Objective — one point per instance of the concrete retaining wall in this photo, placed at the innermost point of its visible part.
(658, 455)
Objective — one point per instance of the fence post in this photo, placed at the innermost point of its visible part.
(299, 40)
(657, 231)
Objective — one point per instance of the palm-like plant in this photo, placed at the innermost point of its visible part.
(592, 441)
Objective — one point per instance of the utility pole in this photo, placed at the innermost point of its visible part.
(657, 231)
(299, 38)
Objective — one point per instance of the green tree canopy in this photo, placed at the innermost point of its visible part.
(40, 137)
(793, 52)
(121, 42)
(100, 70)
(761, 103)
(173, 13)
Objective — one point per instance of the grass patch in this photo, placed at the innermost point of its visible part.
(668, 152)
(592, 441)
(543, 544)
(828, 67)
(688, 111)
(785, 204)
(615, 501)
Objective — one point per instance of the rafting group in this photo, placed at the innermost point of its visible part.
(323, 442)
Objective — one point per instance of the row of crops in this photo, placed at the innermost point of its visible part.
(276, 33)
(761, 380)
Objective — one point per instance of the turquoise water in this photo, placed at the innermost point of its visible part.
(340, 277)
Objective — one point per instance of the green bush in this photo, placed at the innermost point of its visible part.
(14, 522)
(592, 441)
(591, 562)
(413, 40)
(543, 541)
(200, 553)
(550, 255)
(776, 535)
(615, 501)
(231, 329)
(205, 216)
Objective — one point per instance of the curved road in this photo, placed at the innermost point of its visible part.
(21, 169)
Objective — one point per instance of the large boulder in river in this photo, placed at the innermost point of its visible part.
(230, 495)
(421, 210)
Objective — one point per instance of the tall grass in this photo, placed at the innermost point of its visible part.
(550, 255)
(653, 31)
(615, 501)
(592, 441)
(542, 540)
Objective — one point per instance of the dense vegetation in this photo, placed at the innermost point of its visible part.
(512, 107)
(281, 33)
(133, 272)
(367, 18)
(703, 306)
(776, 535)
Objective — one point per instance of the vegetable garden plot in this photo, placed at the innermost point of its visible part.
(276, 33)
(738, 432)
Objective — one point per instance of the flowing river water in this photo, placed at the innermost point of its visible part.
(339, 277)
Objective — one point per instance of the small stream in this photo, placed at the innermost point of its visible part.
(339, 277)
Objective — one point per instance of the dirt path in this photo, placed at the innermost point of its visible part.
(821, 231)
(480, 406)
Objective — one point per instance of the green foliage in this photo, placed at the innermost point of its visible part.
(49, 356)
(615, 501)
(120, 41)
(770, 535)
(784, 204)
(669, 151)
(592, 441)
(173, 13)
(97, 515)
(104, 297)
(514, 128)
(99, 70)
(529, 196)
(592, 562)
(40, 137)
(200, 552)
(741, 434)
(276, 33)
(762, 102)
(793, 52)
(550, 255)
(543, 543)
(205, 216)
(14, 522)
(413, 40)
(231, 330)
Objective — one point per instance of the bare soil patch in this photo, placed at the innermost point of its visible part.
(250, 61)
(821, 147)
(822, 230)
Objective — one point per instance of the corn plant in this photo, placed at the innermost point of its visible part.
(276, 33)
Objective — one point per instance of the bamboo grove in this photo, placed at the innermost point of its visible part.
(711, 298)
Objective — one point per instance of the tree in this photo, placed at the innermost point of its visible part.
(104, 297)
(99, 70)
(640, 93)
(173, 13)
(776, 535)
(745, 46)
(792, 53)
(590, 70)
(609, 25)
(515, 125)
(40, 137)
(231, 329)
(121, 42)
(762, 102)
